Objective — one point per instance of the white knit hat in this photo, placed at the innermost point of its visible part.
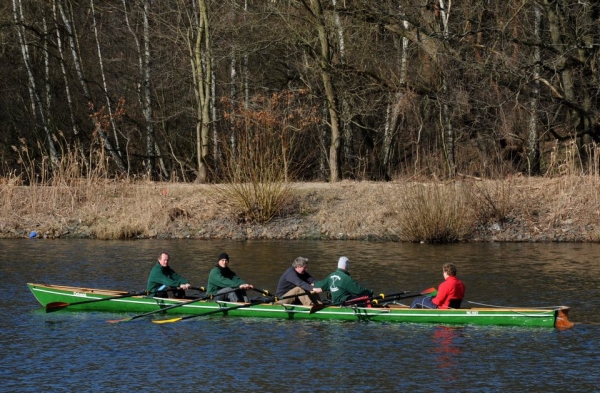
(343, 263)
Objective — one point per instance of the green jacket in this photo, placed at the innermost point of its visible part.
(219, 278)
(341, 286)
(163, 276)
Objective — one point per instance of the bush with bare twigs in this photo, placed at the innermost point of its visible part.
(434, 213)
(265, 156)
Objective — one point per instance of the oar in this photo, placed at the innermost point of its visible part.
(318, 307)
(168, 308)
(56, 306)
(426, 292)
(225, 309)
(371, 298)
(263, 291)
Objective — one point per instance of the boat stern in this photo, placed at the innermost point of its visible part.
(562, 319)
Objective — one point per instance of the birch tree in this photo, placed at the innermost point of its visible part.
(147, 89)
(37, 108)
(448, 133)
(533, 140)
(103, 76)
(98, 126)
(65, 77)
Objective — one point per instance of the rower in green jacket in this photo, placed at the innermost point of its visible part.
(224, 284)
(341, 286)
(164, 282)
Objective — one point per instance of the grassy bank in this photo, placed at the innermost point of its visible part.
(517, 209)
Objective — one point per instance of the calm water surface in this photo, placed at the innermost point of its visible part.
(79, 351)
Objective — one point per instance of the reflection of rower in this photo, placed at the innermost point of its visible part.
(446, 350)
(449, 295)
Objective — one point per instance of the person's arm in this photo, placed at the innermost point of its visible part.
(217, 279)
(323, 284)
(292, 277)
(356, 289)
(158, 277)
(177, 280)
(441, 295)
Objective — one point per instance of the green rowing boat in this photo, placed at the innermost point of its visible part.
(80, 299)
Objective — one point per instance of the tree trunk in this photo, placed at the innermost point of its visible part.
(533, 142)
(63, 68)
(104, 85)
(393, 113)
(448, 130)
(36, 104)
(203, 69)
(86, 91)
(330, 93)
(147, 95)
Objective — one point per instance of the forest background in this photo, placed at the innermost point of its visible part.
(480, 117)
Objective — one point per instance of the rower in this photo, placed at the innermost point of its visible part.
(164, 281)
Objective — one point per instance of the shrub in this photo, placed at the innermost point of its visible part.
(434, 213)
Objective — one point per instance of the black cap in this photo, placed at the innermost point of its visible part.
(223, 256)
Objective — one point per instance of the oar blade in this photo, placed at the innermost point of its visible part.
(119, 320)
(160, 321)
(429, 292)
(56, 306)
(318, 307)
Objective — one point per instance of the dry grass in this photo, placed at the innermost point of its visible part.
(490, 201)
(542, 209)
(77, 196)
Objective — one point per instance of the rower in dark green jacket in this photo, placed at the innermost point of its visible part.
(224, 284)
(341, 286)
(164, 282)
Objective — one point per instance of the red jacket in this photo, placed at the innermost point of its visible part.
(451, 288)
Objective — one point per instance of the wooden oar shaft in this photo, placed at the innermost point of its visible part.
(371, 298)
(263, 291)
(355, 301)
(226, 309)
(167, 308)
(399, 297)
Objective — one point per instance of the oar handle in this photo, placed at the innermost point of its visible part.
(395, 294)
(379, 297)
(356, 300)
(263, 291)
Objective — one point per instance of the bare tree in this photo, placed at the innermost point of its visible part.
(36, 104)
(98, 126)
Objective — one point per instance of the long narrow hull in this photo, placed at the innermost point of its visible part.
(46, 294)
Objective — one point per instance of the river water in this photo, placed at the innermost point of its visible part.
(70, 351)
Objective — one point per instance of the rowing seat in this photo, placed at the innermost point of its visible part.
(455, 303)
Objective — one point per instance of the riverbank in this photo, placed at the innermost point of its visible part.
(565, 209)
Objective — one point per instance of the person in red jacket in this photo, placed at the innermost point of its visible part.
(449, 295)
